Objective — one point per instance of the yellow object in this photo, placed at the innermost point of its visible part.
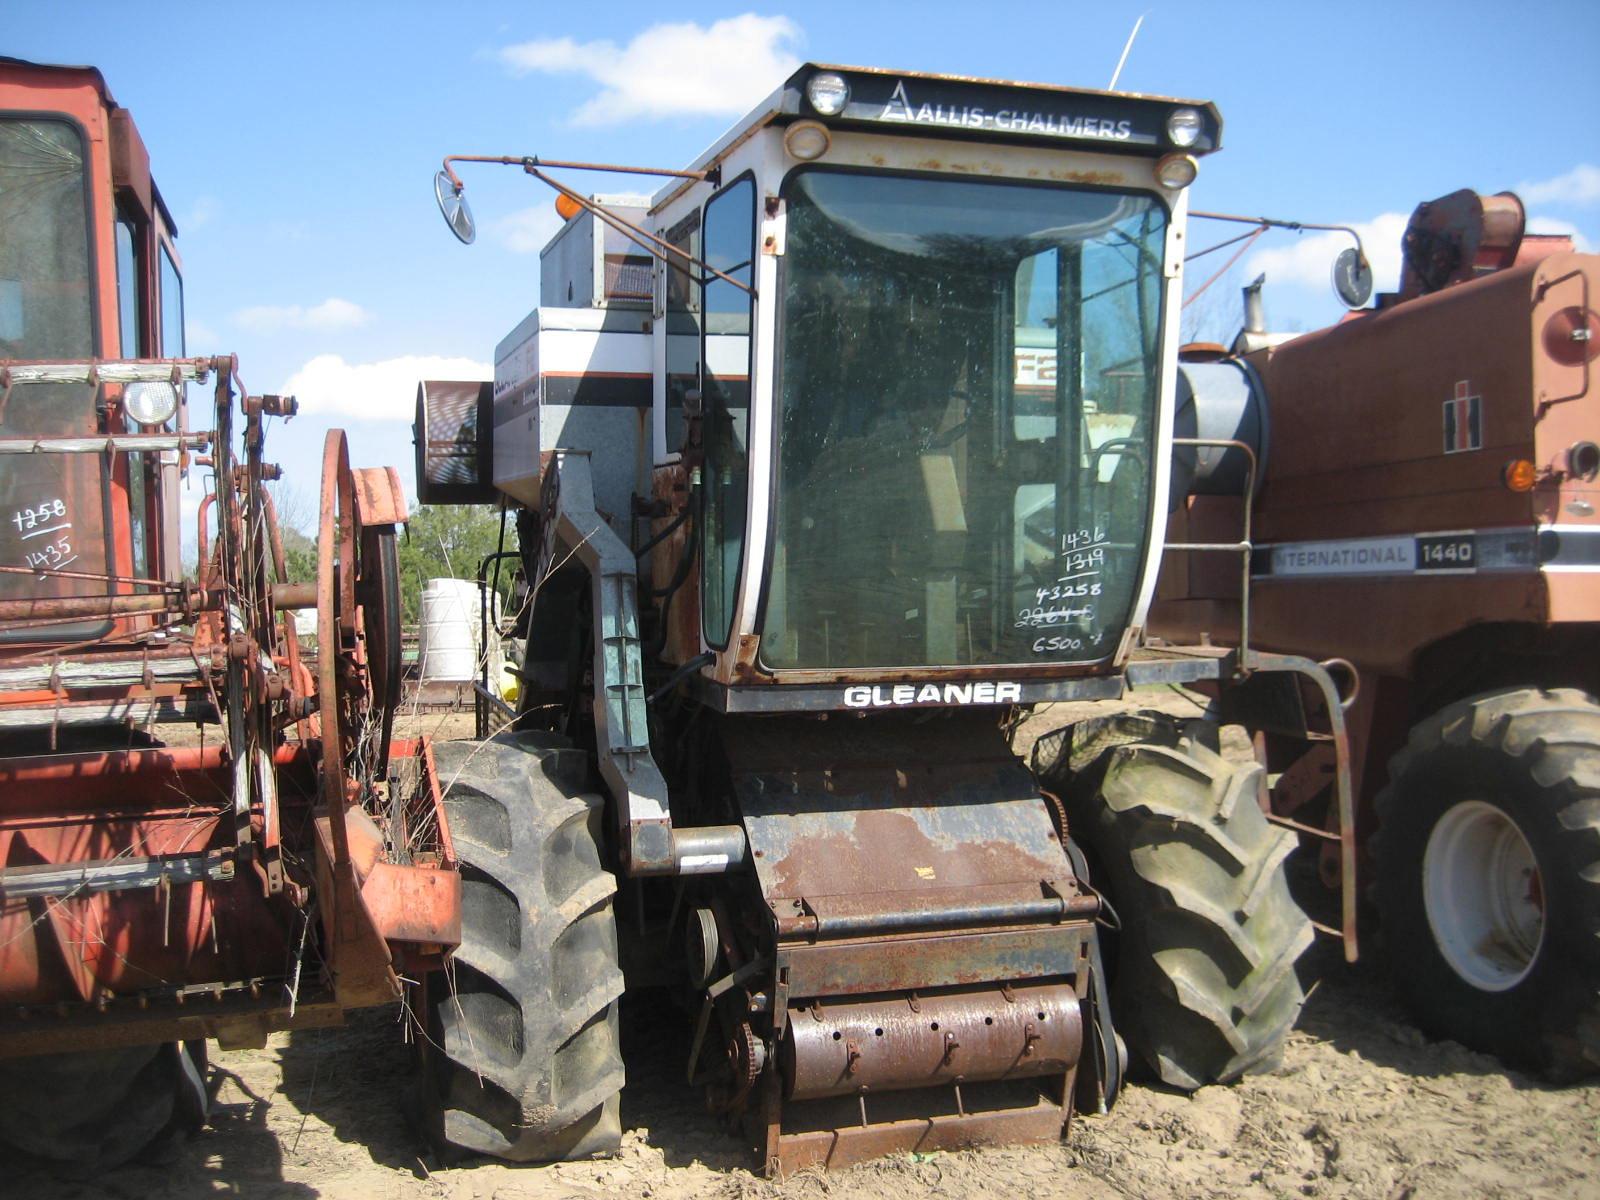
(510, 685)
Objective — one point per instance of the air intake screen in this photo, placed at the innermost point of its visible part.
(453, 433)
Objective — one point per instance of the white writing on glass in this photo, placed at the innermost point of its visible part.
(42, 520)
(1046, 617)
(32, 522)
(1083, 539)
(52, 556)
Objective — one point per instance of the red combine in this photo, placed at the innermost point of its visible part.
(1428, 515)
(203, 832)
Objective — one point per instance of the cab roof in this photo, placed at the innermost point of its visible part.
(920, 103)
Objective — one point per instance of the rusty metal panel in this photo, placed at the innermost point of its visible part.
(889, 811)
(1041, 1123)
(840, 1049)
(358, 958)
(380, 498)
(414, 904)
(853, 968)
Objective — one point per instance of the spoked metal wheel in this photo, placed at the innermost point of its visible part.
(1484, 896)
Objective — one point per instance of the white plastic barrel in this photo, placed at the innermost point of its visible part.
(447, 644)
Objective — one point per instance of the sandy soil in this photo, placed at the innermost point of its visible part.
(1364, 1106)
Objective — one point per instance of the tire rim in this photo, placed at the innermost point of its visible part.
(1483, 894)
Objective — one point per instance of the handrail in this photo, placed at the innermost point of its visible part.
(1243, 548)
(105, 443)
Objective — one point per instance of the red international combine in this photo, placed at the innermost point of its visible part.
(205, 832)
(1427, 514)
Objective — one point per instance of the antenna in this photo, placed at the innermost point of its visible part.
(1117, 74)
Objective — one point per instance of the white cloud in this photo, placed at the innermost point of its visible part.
(332, 313)
(200, 338)
(1307, 261)
(376, 391)
(527, 230)
(671, 70)
(1579, 186)
(201, 213)
(1553, 225)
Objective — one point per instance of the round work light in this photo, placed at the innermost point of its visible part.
(1184, 126)
(1177, 170)
(807, 140)
(150, 404)
(828, 93)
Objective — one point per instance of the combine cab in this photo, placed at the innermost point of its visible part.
(826, 461)
(205, 832)
(1428, 513)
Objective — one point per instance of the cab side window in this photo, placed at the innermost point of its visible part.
(683, 325)
(130, 325)
(727, 312)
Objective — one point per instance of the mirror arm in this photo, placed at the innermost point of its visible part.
(1273, 223)
(645, 240)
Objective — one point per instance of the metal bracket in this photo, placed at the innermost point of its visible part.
(114, 874)
(573, 528)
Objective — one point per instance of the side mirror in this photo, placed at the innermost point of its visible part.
(1352, 277)
(454, 207)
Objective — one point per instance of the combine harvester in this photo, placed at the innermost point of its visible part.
(825, 461)
(161, 886)
(1428, 512)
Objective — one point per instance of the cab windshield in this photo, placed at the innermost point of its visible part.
(52, 514)
(967, 388)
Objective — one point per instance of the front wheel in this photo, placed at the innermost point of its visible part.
(1204, 983)
(1488, 870)
(521, 1058)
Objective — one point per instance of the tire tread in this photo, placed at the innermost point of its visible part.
(1552, 738)
(1206, 988)
(548, 1089)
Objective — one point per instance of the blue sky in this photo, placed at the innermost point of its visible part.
(296, 143)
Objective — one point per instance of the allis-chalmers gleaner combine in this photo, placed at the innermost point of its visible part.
(203, 833)
(825, 461)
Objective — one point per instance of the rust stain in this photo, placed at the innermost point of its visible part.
(1105, 178)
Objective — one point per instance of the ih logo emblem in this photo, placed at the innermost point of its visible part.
(1463, 420)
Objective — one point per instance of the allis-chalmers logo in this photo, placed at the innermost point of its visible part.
(1005, 120)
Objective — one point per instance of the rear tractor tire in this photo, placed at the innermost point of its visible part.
(1488, 877)
(1203, 972)
(521, 1059)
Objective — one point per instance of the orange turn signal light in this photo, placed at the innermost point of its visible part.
(1520, 475)
(567, 207)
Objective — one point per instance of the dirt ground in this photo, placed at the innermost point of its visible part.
(1363, 1106)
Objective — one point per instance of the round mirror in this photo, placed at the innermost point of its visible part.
(454, 207)
(1352, 277)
